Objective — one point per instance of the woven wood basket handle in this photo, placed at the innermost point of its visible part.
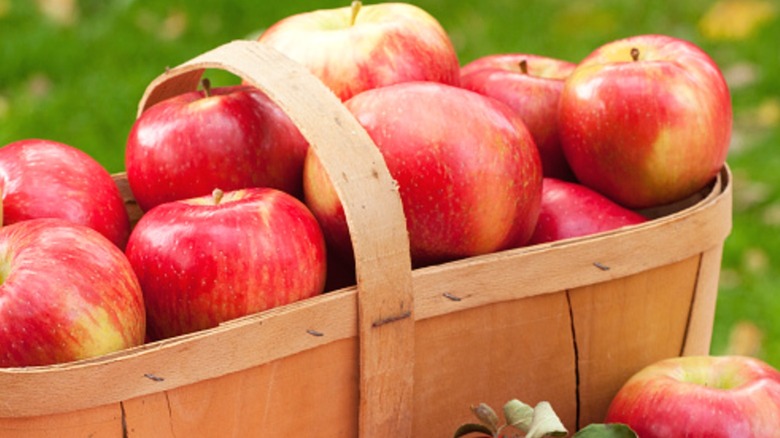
(372, 207)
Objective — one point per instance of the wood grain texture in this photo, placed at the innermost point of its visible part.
(98, 422)
(623, 325)
(311, 393)
(517, 349)
(698, 337)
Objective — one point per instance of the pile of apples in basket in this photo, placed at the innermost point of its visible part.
(509, 150)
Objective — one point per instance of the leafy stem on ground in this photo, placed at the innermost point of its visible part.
(532, 422)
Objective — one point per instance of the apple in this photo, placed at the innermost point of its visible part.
(49, 179)
(353, 49)
(209, 259)
(229, 137)
(68, 293)
(701, 396)
(570, 210)
(468, 172)
(532, 86)
(646, 120)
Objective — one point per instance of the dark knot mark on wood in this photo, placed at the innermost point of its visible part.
(601, 266)
(315, 333)
(154, 378)
(451, 297)
(389, 319)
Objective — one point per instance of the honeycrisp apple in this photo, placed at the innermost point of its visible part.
(468, 172)
(206, 260)
(570, 210)
(531, 85)
(227, 137)
(66, 293)
(646, 120)
(48, 179)
(352, 49)
(702, 396)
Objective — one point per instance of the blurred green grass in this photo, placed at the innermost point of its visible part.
(73, 71)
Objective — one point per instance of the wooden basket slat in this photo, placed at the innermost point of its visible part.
(98, 422)
(314, 390)
(492, 354)
(700, 324)
(625, 324)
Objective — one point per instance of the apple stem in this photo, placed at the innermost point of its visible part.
(206, 84)
(356, 5)
(217, 195)
(635, 54)
(524, 66)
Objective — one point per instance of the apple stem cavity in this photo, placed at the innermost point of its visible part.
(206, 84)
(217, 195)
(524, 66)
(635, 54)
(356, 5)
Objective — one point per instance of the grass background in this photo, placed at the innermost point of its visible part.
(74, 70)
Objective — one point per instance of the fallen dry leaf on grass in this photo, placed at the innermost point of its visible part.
(63, 12)
(745, 339)
(5, 8)
(736, 19)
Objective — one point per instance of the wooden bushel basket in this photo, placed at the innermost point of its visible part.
(405, 352)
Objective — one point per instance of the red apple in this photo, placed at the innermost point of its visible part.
(531, 85)
(573, 210)
(48, 179)
(469, 174)
(704, 396)
(210, 259)
(646, 120)
(67, 293)
(359, 48)
(227, 137)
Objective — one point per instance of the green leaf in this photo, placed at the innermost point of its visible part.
(518, 414)
(487, 416)
(468, 428)
(545, 422)
(612, 430)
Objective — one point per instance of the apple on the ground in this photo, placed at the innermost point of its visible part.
(468, 172)
(205, 260)
(701, 396)
(646, 120)
(531, 85)
(353, 49)
(66, 293)
(48, 179)
(571, 210)
(228, 137)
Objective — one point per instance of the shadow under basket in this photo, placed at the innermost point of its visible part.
(405, 352)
